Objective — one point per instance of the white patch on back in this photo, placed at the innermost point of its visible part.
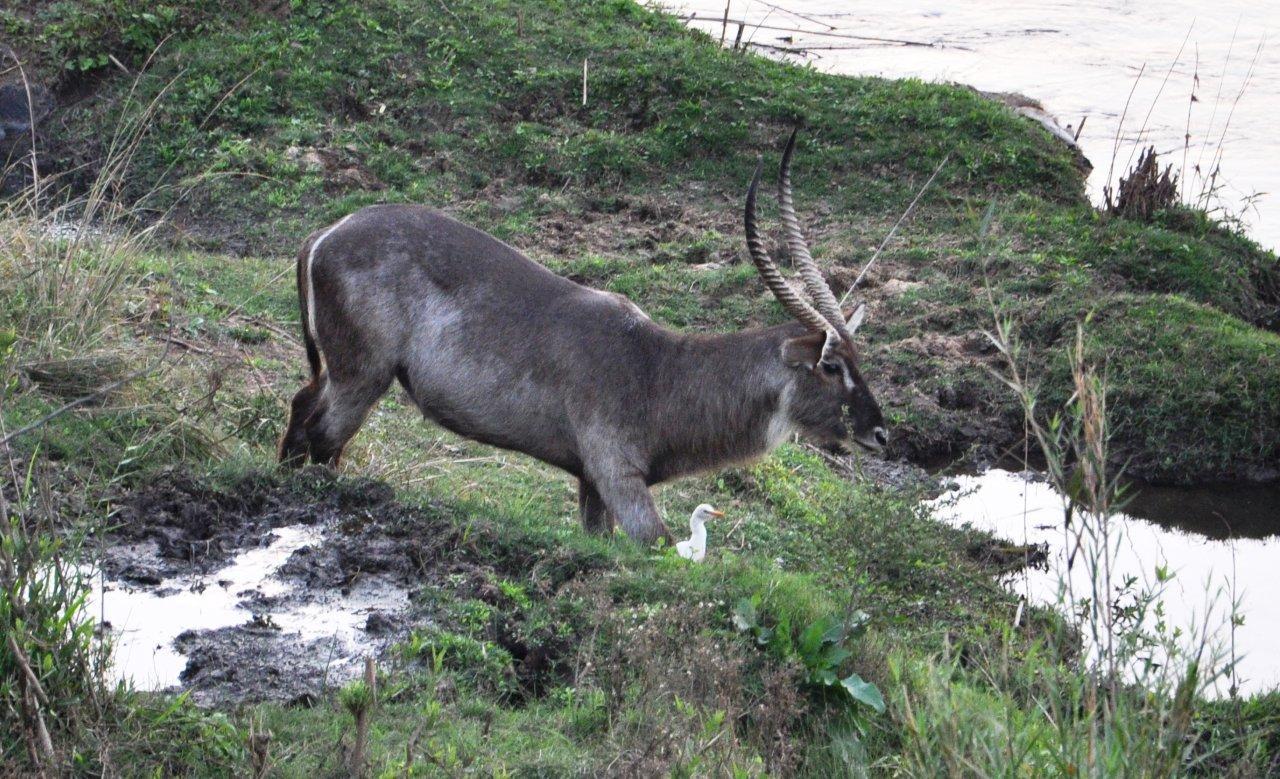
(311, 289)
(635, 315)
(780, 426)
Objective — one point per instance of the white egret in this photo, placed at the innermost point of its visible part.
(696, 547)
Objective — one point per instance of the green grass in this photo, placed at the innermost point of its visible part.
(806, 541)
(1160, 348)
(477, 108)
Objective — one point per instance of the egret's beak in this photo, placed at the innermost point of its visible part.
(715, 513)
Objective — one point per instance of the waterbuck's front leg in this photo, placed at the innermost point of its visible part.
(596, 519)
(627, 500)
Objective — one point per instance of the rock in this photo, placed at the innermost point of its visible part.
(379, 623)
(142, 575)
(961, 395)
(1010, 557)
(446, 691)
(898, 286)
(1261, 474)
(340, 167)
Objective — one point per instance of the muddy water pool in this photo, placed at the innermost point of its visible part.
(248, 608)
(1210, 550)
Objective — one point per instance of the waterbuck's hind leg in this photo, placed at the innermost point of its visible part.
(628, 500)
(596, 519)
(293, 444)
(340, 412)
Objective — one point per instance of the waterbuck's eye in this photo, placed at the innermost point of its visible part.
(831, 368)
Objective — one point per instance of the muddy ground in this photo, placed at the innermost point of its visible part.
(374, 570)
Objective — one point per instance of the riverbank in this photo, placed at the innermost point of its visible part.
(1199, 87)
(526, 646)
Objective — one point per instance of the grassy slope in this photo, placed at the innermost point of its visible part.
(634, 192)
(806, 540)
(478, 109)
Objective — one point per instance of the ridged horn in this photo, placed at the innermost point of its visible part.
(797, 306)
(823, 298)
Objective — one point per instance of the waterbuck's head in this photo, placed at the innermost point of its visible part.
(830, 404)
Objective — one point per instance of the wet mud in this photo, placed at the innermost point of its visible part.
(277, 589)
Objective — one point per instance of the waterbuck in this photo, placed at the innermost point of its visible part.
(495, 347)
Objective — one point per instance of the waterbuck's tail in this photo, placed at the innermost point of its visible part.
(294, 444)
(304, 308)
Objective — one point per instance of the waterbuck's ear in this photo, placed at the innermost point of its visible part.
(856, 317)
(804, 351)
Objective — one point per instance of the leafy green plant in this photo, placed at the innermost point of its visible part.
(359, 698)
(822, 648)
(85, 36)
(483, 664)
(49, 661)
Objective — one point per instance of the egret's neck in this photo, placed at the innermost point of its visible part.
(699, 531)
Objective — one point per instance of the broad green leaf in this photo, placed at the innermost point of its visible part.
(811, 639)
(744, 615)
(834, 656)
(863, 692)
(836, 633)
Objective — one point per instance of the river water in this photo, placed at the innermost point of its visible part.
(1081, 60)
(1196, 561)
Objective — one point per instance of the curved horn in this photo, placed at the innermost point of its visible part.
(822, 296)
(797, 306)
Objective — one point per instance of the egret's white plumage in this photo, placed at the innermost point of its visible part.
(696, 547)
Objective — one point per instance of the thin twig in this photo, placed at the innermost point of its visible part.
(834, 47)
(1216, 160)
(185, 344)
(905, 214)
(37, 693)
(57, 412)
(1217, 100)
(21, 657)
(789, 12)
(1146, 120)
(1115, 145)
(31, 120)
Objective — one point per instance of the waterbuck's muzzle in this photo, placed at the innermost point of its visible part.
(875, 441)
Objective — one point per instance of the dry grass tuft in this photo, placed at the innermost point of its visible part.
(72, 377)
(1145, 190)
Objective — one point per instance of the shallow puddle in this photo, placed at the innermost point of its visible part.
(146, 620)
(1207, 572)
